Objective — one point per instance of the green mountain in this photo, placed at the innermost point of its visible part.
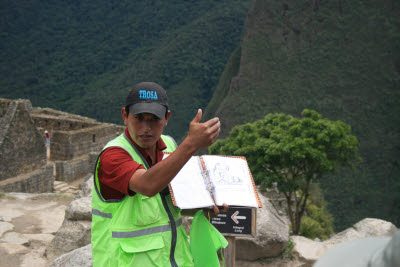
(340, 58)
(83, 56)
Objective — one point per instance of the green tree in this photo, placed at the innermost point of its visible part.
(292, 152)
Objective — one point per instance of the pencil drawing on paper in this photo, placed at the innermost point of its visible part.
(224, 176)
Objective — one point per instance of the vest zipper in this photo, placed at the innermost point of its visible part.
(173, 231)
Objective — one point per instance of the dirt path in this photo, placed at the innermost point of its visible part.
(28, 223)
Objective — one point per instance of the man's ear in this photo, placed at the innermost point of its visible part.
(124, 115)
(167, 117)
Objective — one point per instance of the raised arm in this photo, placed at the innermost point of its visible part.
(152, 181)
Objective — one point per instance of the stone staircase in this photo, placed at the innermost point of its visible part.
(61, 187)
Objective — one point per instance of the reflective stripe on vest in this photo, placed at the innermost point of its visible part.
(101, 214)
(148, 231)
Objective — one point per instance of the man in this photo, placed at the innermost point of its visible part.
(134, 222)
(47, 143)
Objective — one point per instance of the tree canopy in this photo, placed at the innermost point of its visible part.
(292, 153)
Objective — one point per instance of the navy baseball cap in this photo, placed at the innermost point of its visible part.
(147, 97)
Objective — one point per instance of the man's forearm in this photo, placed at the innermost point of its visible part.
(152, 181)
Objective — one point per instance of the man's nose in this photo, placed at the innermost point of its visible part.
(147, 125)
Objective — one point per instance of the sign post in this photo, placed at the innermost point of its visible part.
(230, 251)
(236, 222)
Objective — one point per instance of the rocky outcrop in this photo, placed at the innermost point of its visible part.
(308, 251)
(272, 235)
(74, 233)
(368, 227)
(81, 257)
(79, 210)
(72, 242)
(86, 187)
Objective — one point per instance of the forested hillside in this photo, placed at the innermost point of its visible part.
(340, 58)
(83, 56)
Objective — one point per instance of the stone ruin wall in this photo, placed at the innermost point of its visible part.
(73, 150)
(71, 170)
(38, 181)
(68, 145)
(22, 148)
(72, 139)
(52, 123)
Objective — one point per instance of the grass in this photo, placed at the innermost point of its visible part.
(52, 197)
(288, 251)
(3, 195)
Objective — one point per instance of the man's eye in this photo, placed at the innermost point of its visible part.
(139, 117)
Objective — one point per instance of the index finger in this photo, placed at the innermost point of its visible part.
(212, 121)
(216, 210)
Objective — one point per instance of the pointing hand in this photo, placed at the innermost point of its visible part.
(203, 134)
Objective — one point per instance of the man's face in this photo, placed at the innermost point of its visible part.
(145, 128)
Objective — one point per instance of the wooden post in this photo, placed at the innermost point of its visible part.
(230, 251)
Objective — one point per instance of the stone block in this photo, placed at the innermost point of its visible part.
(272, 235)
(38, 181)
(81, 257)
(72, 170)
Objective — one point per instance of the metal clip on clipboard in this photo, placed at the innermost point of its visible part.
(207, 180)
(209, 185)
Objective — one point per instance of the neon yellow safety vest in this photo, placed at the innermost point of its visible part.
(138, 230)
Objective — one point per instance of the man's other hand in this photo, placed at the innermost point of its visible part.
(215, 211)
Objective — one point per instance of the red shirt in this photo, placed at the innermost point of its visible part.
(117, 167)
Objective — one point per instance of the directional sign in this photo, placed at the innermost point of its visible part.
(235, 217)
(236, 222)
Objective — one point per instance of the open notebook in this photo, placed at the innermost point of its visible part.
(209, 179)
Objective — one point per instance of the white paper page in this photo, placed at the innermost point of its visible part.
(189, 187)
(231, 179)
